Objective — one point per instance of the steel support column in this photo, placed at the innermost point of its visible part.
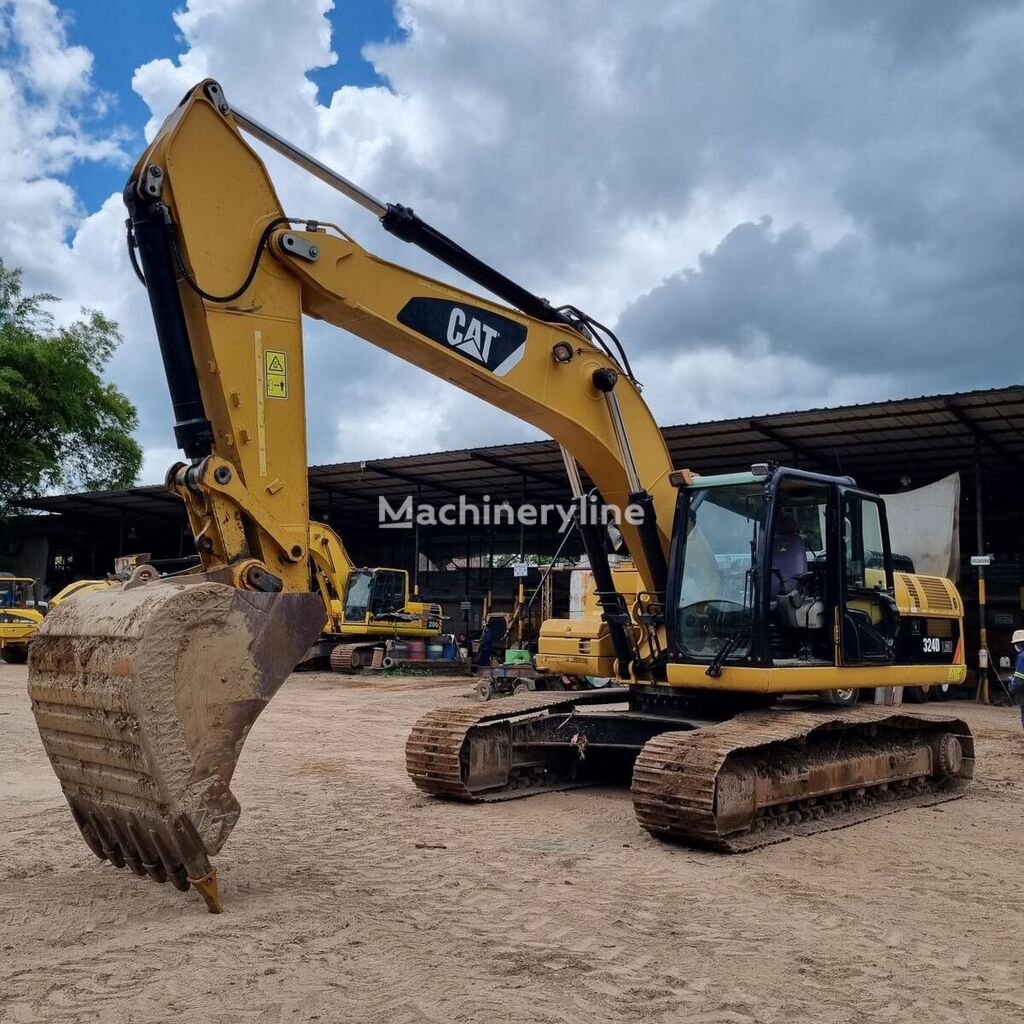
(979, 512)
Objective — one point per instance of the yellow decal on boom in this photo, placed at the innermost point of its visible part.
(275, 373)
(261, 411)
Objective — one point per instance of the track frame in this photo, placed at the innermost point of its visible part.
(731, 782)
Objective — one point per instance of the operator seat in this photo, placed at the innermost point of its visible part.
(794, 596)
(789, 555)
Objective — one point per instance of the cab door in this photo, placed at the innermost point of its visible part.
(358, 597)
(390, 587)
(868, 617)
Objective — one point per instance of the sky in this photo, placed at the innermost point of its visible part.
(777, 206)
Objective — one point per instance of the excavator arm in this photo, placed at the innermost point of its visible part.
(227, 273)
(229, 323)
(144, 695)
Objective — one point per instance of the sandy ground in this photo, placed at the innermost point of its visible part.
(351, 897)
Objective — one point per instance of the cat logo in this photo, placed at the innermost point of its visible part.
(481, 336)
(469, 335)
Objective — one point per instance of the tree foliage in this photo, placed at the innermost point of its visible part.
(61, 425)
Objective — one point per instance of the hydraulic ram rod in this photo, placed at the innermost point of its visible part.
(399, 220)
(308, 163)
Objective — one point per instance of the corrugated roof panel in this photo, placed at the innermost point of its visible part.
(937, 431)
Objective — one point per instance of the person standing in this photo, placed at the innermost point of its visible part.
(486, 648)
(1017, 679)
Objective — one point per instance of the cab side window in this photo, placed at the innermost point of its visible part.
(870, 619)
(389, 594)
(862, 543)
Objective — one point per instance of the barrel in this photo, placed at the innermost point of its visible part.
(449, 652)
(417, 650)
(399, 650)
(435, 651)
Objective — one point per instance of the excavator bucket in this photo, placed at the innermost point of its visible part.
(144, 695)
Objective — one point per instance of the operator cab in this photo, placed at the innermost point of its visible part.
(374, 594)
(18, 592)
(766, 565)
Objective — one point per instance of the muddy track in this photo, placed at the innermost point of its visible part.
(675, 777)
(434, 749)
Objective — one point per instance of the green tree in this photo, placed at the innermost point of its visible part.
(60, 424)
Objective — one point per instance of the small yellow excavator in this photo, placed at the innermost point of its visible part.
(746, 587)
(365, 608)
(20, 615)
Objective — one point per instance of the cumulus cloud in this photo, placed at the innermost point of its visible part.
(777, 205)
(46, 105)
(260, 50)
(855, 310)
(712, 383)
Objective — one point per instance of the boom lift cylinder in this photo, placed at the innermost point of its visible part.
(150, 231)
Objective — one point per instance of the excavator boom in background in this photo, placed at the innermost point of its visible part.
(743, 588)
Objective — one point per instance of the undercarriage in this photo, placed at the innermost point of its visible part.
(731, 780)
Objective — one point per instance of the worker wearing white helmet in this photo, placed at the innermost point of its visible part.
(1017, 682)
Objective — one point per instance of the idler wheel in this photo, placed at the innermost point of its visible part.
(949, 756)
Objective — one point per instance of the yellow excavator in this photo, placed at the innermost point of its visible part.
(746, 586)
(21, 613)
(365, 608)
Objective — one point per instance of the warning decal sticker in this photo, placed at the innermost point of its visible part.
(275, 373)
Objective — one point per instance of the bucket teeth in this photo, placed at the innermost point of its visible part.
(143, 698)
(207, 888)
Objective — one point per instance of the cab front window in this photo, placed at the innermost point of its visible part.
(716, 598)
(16, 594)
(358, 593)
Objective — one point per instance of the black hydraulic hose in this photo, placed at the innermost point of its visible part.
(403, 223)
(598, 329)
(172, 241)
(133, 246)
(254, 266)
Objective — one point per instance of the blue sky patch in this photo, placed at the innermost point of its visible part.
(123, 35)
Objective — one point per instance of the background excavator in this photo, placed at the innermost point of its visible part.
(365, 608)
(745, 587)
(21, 613)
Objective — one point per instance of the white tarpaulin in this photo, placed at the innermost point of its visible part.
(579, 580)
(925, 524)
